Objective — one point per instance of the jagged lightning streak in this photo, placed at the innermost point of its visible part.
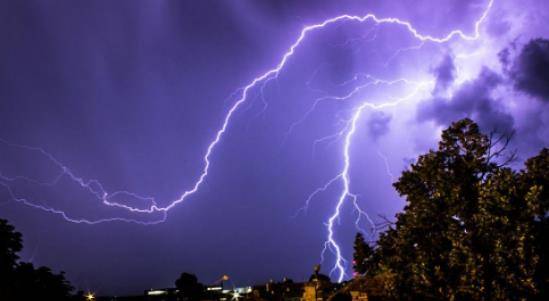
(93, 187)
(96, 188)
(344, 176)
(331, 244)
(272, 73)
(387, 166)
(371, 81)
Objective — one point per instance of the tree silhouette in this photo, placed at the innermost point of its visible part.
(341, 296)
(10, 245)
(22, 281)
(362, 255)
(189, 287)
(471, 229)
(534, 182)
(317, 276)
(41, 284)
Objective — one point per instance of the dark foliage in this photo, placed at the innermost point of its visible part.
(341, 297)
(189, 287)
(472, 229)
(362, 255)
(22, 281)
(317, 276)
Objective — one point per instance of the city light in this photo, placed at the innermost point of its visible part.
(236, 295)
(90, 296)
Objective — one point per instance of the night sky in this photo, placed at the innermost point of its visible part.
(110, 105)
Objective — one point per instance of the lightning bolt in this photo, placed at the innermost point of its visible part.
(331, 243)
(344, 176)
(96, 189)
(387, 166)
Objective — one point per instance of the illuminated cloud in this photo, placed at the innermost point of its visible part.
(473, 99)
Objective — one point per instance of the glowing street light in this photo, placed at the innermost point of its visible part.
(90, 296)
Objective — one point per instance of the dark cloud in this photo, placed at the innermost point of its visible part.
(530, 69)
(378, 124)
(527, 71)
(473, 99)
(445, 74)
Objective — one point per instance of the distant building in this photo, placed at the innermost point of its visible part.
(359, 296)
(210, 293)
(123, 298)
(214, 293)
(355, 290)
(164, 294)
(319, 287)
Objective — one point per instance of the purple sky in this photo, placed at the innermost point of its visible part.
(131, 93)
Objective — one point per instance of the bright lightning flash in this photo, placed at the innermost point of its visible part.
(96, 189)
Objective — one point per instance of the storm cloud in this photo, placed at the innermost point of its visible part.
(445, 74)
(530, 69)
(378, 124)
(472, 99)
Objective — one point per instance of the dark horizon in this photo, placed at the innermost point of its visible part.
(109, 108)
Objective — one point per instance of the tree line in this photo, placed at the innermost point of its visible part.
(22, 280)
